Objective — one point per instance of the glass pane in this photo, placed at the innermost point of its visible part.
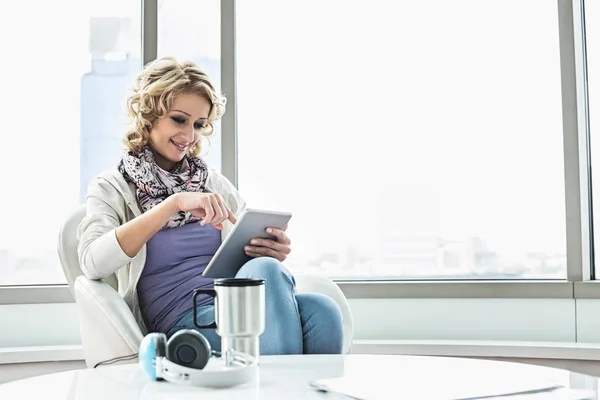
(410, 140)
(63, 124)
(190, 30)
(592, 31)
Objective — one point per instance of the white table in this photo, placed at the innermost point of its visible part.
(287, 377)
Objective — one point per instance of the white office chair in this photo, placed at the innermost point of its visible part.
(108, 328)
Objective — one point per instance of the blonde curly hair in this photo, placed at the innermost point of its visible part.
(154, 91)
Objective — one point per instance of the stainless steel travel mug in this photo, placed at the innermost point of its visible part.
(239, 313)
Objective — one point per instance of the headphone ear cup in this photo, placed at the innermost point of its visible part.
(189, 348)
(153, 345)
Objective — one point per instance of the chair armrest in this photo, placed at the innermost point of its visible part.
(108, 328)
(309, 283)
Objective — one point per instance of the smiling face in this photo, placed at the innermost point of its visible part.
(173, 135)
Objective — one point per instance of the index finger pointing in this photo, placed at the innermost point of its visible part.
(231, 217)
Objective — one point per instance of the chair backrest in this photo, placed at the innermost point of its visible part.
(67, 245)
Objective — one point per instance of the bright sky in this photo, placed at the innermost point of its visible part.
(415, 112)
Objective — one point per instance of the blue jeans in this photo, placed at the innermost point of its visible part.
(303, 323)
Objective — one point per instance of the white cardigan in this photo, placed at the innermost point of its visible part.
(111, 202)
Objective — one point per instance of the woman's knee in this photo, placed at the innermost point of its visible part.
(267, 268)
(320, 307)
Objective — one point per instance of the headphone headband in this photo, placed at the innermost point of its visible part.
(216, 374)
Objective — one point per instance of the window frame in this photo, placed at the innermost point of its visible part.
(577, 173)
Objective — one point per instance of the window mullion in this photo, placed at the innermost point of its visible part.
(149, 30)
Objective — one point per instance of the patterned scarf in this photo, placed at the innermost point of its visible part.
(154, 184)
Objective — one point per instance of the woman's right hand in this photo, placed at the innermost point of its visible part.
(209, 207)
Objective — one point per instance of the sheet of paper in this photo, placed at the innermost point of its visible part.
(371, 377)
(385, 389)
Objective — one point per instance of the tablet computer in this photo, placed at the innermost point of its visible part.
(230, 256)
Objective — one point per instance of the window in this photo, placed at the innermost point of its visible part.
(190, 30)
(410, 140)
(64, 92)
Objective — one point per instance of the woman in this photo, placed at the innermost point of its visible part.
(156, 221)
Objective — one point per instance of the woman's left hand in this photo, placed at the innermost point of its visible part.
(278, 247)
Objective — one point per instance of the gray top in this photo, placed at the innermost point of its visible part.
(175, 260)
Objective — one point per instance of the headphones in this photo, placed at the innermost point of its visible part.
(187, 359)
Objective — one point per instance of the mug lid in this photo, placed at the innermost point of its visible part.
(239, 282)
